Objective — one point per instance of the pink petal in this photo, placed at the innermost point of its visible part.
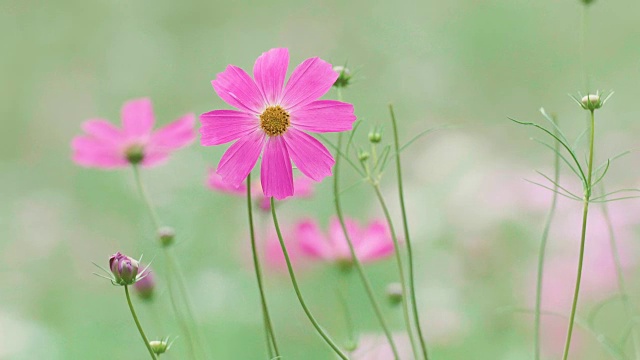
(303, 187)
(324, 116)
(309, 155)
(238, 89)
(269, 71)
(311, 240)
(137, 119)
(91, 152)
(103, 131)
(154, 158)
(222, 126)
(338, 240)
(240, 158)
(377, 242)
(174, 135)
(308, 82)
(214, 182)
(276, 171)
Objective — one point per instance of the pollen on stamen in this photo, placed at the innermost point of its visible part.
(274, 121)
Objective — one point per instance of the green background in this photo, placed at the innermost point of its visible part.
(464, 63)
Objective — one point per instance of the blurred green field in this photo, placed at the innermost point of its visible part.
(464, 63)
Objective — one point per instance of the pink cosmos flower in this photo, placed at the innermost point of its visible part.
(371, 243)
(273, 119)
(107, 147)
(303, 188)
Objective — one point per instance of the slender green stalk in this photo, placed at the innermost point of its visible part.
(256, 264)
(172, 268)
(585, 214)
(541, 252)
(354, 257)
(403, 281)
(407, 237)
(135, 318)
(341, 292)
(313, 320)
(622, 288)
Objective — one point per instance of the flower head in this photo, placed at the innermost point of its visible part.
(272, 119)
(370, 243)
(107, 147)
(124, 269)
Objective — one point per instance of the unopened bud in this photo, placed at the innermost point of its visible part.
(166, 235)
(375, 136)
(591, 102)
(124, 269)
(344, 76)
(587, 2)
(159, 346)
(145, 285)
(394, 293)
(363, 156)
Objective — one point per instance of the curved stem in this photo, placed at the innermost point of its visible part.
(620, 277)
(172, 268)
(256, 264)
(135, 318)
(313, 320)
(405, 225)
(541, 253)
(341, 292)
(585, 214)
(403, 281)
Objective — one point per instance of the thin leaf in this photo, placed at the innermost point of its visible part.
(616, 192)
(596, 309)
(603, 174)
(616, 199)
(560, 155)
(558, 185)
(579, 138)
(552, 121)
(553, 190)
(421, 134)
(353, 132)
(340, 153)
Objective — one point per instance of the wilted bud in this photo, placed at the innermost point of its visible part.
(166, 235)
(375, 136)
(591, 102)
(159, 346)
(344, 77)
(124, 269)
(363, 156)
(394, 293)
(134, 154)
(145, 285)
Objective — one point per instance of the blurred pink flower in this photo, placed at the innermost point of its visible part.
(272, 120)
(107, 147)
(371, 243)
(376, 347)
(273, 255)
(303, 188)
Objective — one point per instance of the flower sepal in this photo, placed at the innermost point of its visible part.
(123, 270)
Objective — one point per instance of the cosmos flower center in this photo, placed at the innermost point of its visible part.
(134, 153)
(274, 120)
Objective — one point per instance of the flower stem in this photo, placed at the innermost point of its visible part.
(135, 318)
(542, 251)
(354, 257)
(172, 268)
(620, 276)
(403, 281)
(313, 320)
(270, 334)
(407, 237)
(585, 214)
(341, 292)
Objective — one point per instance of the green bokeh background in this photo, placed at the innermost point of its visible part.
(464, 63)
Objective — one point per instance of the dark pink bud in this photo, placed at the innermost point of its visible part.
(145, 285)
(123, 268)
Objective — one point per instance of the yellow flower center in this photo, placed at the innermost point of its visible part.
(274, 121)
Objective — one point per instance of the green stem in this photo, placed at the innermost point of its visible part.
(256, 264)
(354, 257)
(341, 292)
(405, 225)
(585, 214)
(622, 288)
(398, 255)
(541, 253)
(135, 318)
(313, 320)
(172, 268)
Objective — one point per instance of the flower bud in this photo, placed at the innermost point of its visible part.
(159, 346)
(124, 269)
(344, 76)
(587, 2)
(145, 285)
(394, 293)
(134, 154)
(363, 156)
(591, 102)
(166, 235)
(375, 136)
